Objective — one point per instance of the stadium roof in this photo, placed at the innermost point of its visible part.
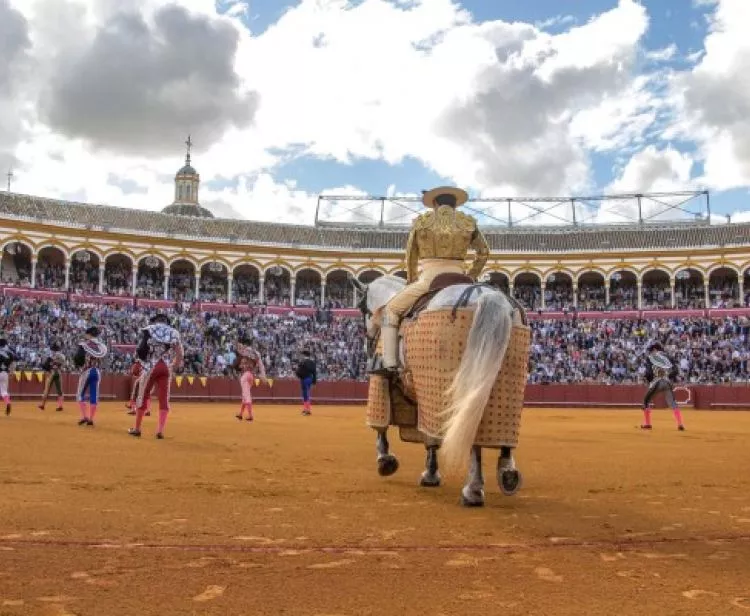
(601, 239)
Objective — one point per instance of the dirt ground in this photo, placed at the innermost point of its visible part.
(287, 515)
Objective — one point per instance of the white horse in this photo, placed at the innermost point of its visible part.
(494, 317)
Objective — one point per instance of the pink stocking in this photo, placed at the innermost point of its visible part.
(82, 406)
(162, 419)
(92, 411)
(646, 417)
(677, 415)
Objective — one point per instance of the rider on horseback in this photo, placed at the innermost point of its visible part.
(439, 241)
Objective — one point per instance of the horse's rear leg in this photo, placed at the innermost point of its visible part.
(431, 475)
(387, 462)
(472, 494)
(509, 478)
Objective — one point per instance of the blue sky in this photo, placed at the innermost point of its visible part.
(543, 98)
(681, 24)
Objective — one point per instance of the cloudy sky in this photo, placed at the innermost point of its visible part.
(286, 100)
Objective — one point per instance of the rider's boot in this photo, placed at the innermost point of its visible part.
(388, 363)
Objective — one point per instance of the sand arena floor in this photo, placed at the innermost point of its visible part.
(287, 515)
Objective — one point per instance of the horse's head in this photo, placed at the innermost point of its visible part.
(375, 295)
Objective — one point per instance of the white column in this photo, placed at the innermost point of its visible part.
(101, 279)
(197, 285)
(671, 286)
(607, 290)
(575, 296)
(322, 293)
(706, 295)
(292, 290)
(68, 263)
(229, 289)
(33, 274)
(544, 303)
(262, 290)
(134, 283)
(640, 295)
(166, 285)
(741, 289)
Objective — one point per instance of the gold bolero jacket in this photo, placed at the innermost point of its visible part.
(445, 233)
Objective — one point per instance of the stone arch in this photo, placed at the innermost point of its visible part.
(93, 250)
(339, 292)
(50, 243)
(527, 272)
(214, 280)
(84, 270)
(17, 240)
(307, 286)
(656, 289)
(246, 282)
(184, 257)
(527, 288)
(150, 277)
(558, 291)
(118, 273)
(215, 259)
(339, 266)
(689, 290)
(723, 287)
(592, 290)
(278, 283)
(622, 269)
(51, 267)
(182, 279)
(623, 288)
(16, 263)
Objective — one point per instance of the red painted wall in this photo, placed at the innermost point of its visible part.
(116, 387)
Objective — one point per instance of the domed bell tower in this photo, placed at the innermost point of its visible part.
(187, 181)
(186, 184)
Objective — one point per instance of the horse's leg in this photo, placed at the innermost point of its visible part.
(387, 462)
(472, 494)
(509, 478)
(431, 475)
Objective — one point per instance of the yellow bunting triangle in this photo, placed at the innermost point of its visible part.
(257, 382)
(270, 382)
(178, 379)
(204, 380)
(18, 375)
(40, 376)
(191, 379)
(28, 375)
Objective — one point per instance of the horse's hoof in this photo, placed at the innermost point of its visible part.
(387, 465)
(475, 499)
(429, 480)
(510, 481)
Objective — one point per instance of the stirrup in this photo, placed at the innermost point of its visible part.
(376, 366)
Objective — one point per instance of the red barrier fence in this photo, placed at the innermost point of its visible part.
(219, 389)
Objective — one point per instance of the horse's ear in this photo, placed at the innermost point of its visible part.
(362, 288)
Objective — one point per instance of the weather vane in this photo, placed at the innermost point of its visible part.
(10, 176)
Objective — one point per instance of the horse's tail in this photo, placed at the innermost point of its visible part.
(470, 390)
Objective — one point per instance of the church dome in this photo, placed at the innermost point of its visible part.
(187, 170)
(187, 209)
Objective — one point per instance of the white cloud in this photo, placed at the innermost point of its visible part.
(497, 107)
(714, 98)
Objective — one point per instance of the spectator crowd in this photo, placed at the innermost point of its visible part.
(570, 350)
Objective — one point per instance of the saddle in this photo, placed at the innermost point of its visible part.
(441, 281)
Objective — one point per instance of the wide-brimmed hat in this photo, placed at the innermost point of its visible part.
(429, 196)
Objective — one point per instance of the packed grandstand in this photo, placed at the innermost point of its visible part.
(595, 293)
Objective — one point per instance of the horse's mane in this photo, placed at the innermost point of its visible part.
(382, 289)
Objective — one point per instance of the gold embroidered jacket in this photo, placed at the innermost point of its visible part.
(444, 233)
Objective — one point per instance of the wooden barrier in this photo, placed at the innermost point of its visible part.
(286, 391)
